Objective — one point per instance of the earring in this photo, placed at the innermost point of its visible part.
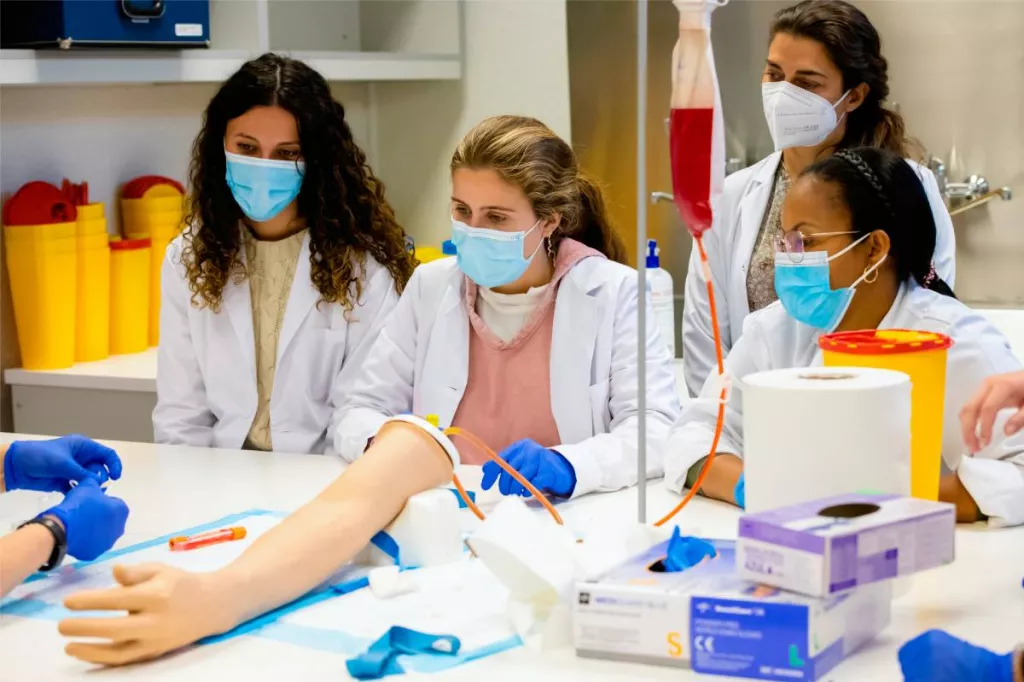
(870, 279)
(551, 250)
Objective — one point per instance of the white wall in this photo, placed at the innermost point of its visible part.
(515, 62)
(108, 135)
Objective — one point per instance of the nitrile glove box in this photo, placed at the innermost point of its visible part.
(828, 546)
(709, 619)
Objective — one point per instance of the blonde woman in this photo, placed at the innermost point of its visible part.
(528, 338)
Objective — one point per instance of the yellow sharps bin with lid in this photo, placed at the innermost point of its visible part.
(922, 356)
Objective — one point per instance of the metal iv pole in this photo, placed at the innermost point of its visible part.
(641, 250)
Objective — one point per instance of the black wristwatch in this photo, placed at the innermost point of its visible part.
(60, 541)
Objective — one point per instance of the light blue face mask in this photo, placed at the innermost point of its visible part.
(263, 187)
(806, 292)
(491, 258)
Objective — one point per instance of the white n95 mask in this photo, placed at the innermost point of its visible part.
(797, 117)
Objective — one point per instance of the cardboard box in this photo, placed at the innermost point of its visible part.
(709, 619)
(829, 546)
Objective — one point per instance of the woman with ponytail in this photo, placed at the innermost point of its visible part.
(855, 252)
(528, 338)
(824, 88)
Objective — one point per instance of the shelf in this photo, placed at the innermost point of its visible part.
(30, 67)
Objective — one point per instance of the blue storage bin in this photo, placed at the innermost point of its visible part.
(104, 23)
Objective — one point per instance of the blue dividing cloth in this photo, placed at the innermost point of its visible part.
(462, 502)
(685, 552)
(381, 659)
(387, 544)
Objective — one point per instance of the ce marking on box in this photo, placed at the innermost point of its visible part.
(705, 644)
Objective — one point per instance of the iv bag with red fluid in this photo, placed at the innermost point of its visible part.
(697, 139)
(697, 133)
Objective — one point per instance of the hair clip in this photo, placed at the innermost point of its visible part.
(930, 278)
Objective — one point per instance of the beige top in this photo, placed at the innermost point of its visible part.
(761, 273)
(270, 267)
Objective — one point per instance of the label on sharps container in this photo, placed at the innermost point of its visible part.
(750, 639)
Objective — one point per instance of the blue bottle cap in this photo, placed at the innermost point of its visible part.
(652, 254)
(448, 248)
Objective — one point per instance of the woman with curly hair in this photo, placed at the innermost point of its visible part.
(291, 261)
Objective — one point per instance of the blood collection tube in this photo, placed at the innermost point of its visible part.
(184, 543)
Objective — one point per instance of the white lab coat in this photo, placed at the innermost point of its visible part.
(773, 340)
(730, 244)
(420, 363)
(206, 371)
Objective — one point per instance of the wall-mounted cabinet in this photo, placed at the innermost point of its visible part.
(356, 40)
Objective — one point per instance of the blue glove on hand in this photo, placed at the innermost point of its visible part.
(937, 656)
(547, 470)
(92, 519)
(686, 552)
(740, 491)
(50, 465)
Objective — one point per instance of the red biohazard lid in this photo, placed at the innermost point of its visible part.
(38, 203)
(130, 244)
(884, 342)
(137, 188)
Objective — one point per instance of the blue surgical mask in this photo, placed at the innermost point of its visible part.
(491, 258)
(263, 187)
(805, 290)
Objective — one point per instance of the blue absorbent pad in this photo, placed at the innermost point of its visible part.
(340, 618)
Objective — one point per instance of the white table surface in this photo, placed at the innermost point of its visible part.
(979, 597)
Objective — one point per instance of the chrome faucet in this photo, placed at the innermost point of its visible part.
(963, 196)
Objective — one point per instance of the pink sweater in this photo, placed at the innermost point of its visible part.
(508, 393)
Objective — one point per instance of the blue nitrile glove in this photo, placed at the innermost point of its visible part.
(92, 519)
(547, 470)
(937, 656)
(50, 465)
(740, 491)
(685, 552)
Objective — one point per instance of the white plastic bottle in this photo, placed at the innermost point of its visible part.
(662, 297)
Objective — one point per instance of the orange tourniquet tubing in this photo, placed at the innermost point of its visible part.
(721, 398)
(482, 447)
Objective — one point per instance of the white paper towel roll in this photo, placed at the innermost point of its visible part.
(815, 432)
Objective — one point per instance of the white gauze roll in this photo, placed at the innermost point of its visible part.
(816, 432)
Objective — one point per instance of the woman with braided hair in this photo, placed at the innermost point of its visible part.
(824, 88)
(291, 262)
(856, 253)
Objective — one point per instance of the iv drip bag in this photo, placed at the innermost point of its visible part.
(697, 134)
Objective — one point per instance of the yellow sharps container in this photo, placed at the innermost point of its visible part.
(129, 296)
(42, 262)
(160, 238)
(921, 356)
(92, 309)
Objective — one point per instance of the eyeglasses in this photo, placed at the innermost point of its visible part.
(792, 243)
